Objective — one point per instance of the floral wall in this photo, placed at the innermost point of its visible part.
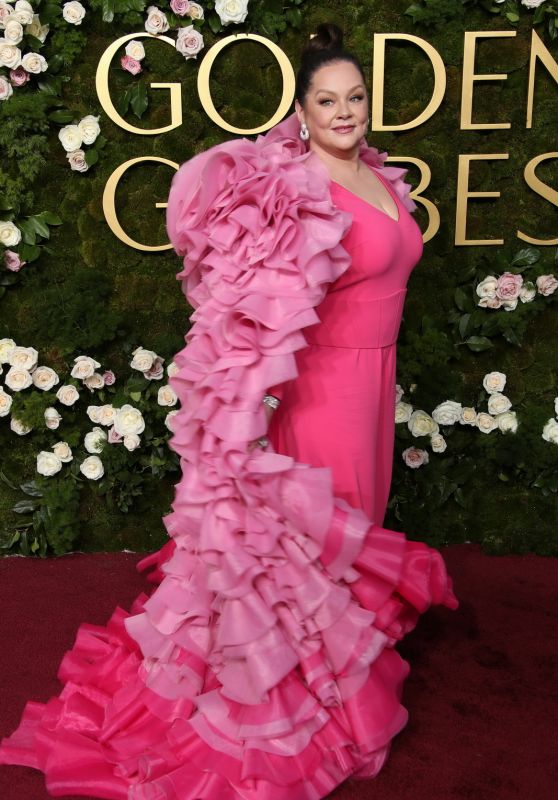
(89, 325)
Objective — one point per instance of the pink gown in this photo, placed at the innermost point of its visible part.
(340, 410)
(264, 666)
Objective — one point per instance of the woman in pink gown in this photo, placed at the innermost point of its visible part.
(263, 666)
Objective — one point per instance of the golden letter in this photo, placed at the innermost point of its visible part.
(469, 78)
(378, 69)
(463, 194)
(109, 206)
(102, 87)
(205, 94)
(538, 50)
(541, 189)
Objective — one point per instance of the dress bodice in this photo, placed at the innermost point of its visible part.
(363, 307)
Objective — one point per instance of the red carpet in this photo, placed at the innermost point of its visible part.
(482, 693)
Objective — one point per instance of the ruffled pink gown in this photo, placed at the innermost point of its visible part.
(264, 664)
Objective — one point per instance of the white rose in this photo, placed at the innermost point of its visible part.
(92, 467)
(94, 440)
(18, 427)
(509, 305)
(95, 381)
(6, 401)
(45, 378)
(67, 394)
(93, 413)
(128, 420)
(415, 457)
(532, 3)
(106, 414)
(73, 12)
(143, 359)
(438, 443)
(195, 11)
(527, 292)
(156, 21)
(76, 160)
(168, 419)
(6, 88)
(10, 234)
(10, 55)
(70, 137)
(52, 418)
(37, 29)
(468, 416)
(13, 30)
(23, 12)
(556, 406)
(507, 421)
(34, 62)
(485, 422)
(89, 128)
(189, 41)
(24, 357)
(550, 431)
(487, 287)
(447, 413)
(172, 369)
(84, 366)
(6, 349)
(494, 382)
(166, 396)
(63, 451)
(421, 424)
(18, 379)
(231, 10)
(490, 302)
(5, 10)
(403, 412)
(498, 403)
(48, 463)
(131, 441)
(135, 49)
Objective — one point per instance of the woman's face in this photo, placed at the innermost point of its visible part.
(336, 98)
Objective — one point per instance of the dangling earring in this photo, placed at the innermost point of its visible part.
(304, 132)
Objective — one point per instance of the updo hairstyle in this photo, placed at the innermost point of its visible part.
(323, 48)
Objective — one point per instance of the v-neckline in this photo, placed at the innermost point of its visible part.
(379, 210)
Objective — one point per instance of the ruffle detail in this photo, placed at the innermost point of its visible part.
(263, 663)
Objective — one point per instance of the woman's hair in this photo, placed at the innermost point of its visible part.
(323, 48)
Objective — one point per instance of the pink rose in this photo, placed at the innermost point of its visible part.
(156, 371)
(189, 41)
(180, 7)
(113, 437)
(130, 64)
(546, 284)
(415, 457)
(19, 76)
(109, 377)
(13, 261)
(508, 286)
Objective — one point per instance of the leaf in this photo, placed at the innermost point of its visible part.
(31, 488)
(139, 100)
(49, 217)
(526, 257)
(511, 336)
(7, 481)
(39, 227)
(62, 116)
(136, 396)
(463, 323)
(462, 299)
(91, 156)
(24, 507)
(478, 343)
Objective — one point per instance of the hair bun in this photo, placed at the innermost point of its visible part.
(328, 36)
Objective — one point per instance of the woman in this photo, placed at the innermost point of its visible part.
(264, 664)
